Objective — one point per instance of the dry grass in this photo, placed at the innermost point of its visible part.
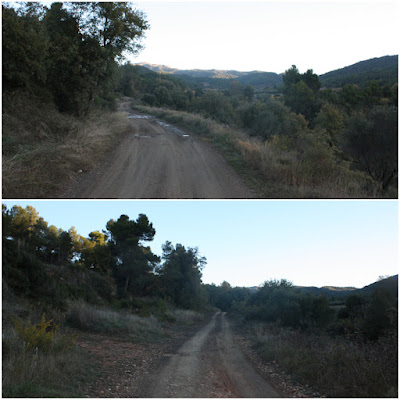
(43, 149)
(104, 320)
(337, 367)
(186, 317)
(41, 372)
(272, 168)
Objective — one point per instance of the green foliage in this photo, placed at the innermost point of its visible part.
(216, 106)
(134, 262)
(69, 51)
(371, 139)
(331, 120)
(181, 276)
(25, 45)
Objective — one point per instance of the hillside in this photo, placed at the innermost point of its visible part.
(390, 283)
(383, 70)
(197, 73)
(218, 79)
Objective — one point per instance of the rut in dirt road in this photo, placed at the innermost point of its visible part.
(210, 364)
(158, 161)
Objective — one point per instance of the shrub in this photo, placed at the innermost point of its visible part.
(335, 366)
(37, 336)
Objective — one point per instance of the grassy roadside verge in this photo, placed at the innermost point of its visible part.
(43, 149)
(266, 168)
(335, 366)
(42, 355)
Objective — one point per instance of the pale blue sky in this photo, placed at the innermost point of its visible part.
(268, 35)
(340, 243)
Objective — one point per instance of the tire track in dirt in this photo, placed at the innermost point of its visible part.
(210, 364)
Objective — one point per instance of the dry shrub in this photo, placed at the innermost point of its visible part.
(38, 361)
(42, 149)
(336, 366)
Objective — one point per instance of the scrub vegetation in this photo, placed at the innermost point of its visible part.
(58, 285)
(317, 141)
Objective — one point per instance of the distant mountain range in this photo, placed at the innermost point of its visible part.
(197, 73)
(218, 79)
(390, 283)
(382, 69)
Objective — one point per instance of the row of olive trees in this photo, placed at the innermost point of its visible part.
(69, 51)
(118, 254)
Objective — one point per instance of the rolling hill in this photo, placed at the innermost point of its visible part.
(390, 283)
(219, 79)
(383, 70)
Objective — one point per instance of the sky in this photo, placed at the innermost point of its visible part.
(310, 243)
(268, 35)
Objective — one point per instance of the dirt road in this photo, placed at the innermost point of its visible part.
(157, 160)
(209, 364)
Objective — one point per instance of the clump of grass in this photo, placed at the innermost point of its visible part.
(104, 320)
(272, 167)
(186, 317)
(42, 148)
(336, 366)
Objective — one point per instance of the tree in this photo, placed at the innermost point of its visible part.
(331, 120)
(371, 139)
(181, 275)
(299, 91)
(23, 221)
(311, 80)
(65, 78)
(301, 99)
(116, 26)
(248, 92)
(133, 262)
(291, 77)
(25, 46)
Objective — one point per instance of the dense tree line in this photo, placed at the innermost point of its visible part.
(114, 263)
(366, 314)
(68, 52)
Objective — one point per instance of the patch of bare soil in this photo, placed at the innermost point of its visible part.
(122, 365)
